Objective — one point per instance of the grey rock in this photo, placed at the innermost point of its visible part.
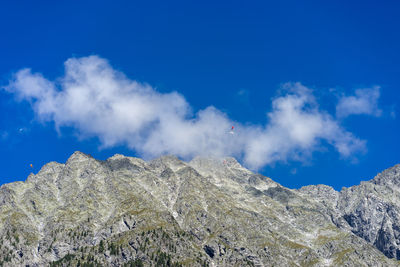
(370, 210)
(208, 212)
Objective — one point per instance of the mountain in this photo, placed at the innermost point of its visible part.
(208, 212)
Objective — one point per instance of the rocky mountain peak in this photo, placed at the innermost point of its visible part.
(78, 156)
(116, 157)
(167, 161)
(389, 177)
(125, 211)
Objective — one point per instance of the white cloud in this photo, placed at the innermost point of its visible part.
(99, 101)
(365, 101)
(296, 129)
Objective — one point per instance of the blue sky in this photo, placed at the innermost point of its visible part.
(236, 56)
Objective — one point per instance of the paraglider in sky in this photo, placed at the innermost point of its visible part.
(231, 131)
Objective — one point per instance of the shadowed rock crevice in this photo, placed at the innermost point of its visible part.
(210, 251)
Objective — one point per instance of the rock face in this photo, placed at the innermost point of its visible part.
(370, 210)
(209, 212)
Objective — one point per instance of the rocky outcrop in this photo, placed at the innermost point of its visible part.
(207, 212)
(370, 210)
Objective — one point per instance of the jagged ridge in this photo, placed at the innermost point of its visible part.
(208, 212)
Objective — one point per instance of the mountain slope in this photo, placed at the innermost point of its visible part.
(208, 212)
(370, 210)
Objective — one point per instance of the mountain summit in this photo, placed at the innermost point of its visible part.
(125, 211)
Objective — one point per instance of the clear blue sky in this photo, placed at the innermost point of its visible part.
(233, 55)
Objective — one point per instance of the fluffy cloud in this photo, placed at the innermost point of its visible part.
(99, 101)
(296, 128)
(365, 101)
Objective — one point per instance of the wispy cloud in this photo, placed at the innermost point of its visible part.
(364, 101)
(99, 101)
